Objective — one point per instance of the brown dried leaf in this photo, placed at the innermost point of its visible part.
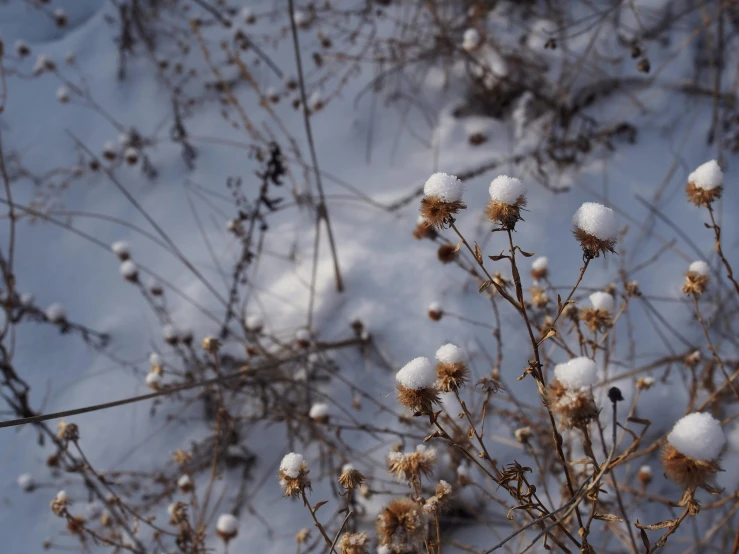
(485, 285)
(644, 538)
(607, 517)
(318, 505)
(478, 253)
(459, 245)
(655, 526)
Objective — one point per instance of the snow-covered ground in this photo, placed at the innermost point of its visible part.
(374, 151)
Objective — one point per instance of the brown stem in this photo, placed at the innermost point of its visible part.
(716, 357)
(719, 250)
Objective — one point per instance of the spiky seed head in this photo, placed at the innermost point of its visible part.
(350, 478)
(402, 526)
(354, 543)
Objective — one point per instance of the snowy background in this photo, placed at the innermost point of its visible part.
(376, 144)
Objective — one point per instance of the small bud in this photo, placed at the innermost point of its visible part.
(614, 395)
(131, 155)
(185, 484)
(645, 475)
(211, 345)
(227, 527)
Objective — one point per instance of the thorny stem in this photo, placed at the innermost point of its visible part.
(719, 250)
(716, 357)
(326, 538)
(500, 289)
(538, 375)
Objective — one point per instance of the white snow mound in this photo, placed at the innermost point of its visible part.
(446, 188)
(707, 176)
(603, 301)
(506, 190)
(291, 464)
(578, 373)
(450, 354)
(699, 268)
(698, 436)
(596, 220)
(417, 374)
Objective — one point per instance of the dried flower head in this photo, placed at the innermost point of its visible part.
(68, 432)
(302, 536)
(294, 475)
(447, 253)
(644, 383)
(423, 230)
(354, 543)
(539, 297)
(507, 198)
(451, 369)
(435, 312)
(696, 279)
(56, 313)
(227, 527)
(416, 382)
(596, 229)
(693, 449)
(303, 338)
(442, 199)
(129, 271)
(540, 268)
(705, 184)
(211, 345)
(570, 395)
(59, 503)
(170, 334)
(409, 467)
(177, 512)
(350, 478)
(598, 317)
(319, 412)
(181, 457)
(185, 484)
(402, 526)
(154, 380)
(75, 525)
(644, 475)
(523, 434)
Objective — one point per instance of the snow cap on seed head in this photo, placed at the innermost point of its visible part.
(56, 313)
(417, 374)
(707, 176)
(129, 270)
(319, 411)
(705, 184)
(507, 190)
(447, 188)
(227, 524)
(596, 220)
(596, 229)
(450, 354)
(291, 464)
(577, 373)
(698, 436)
(699, 268)
(542, 262)
(122, 249)
(602, 301)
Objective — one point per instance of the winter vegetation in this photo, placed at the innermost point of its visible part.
(369, 276)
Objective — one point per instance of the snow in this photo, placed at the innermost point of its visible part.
(62, 94)
(184, 481)
(596, 220)
(471, 39)
(506, 190)
(131, 155)
(698, 436)
(699, 267)
(227, 524)
(43, 63)
(603, 301)
(707, 176)
(541, 263)
(303, 335)
(646, 470)
(128, 269)
(445, 187)
(153, 379)
(346, 467)
(318, 410)
(121, 248)
(292, 464)
(170, 332)
(56, 313)
(417, 374)
(26, 482)
(577, 373)
(61, 496)
(315, 101)
(155, 359)
(435, 307)
(300, 18)
(382, 549)
(450, 354)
